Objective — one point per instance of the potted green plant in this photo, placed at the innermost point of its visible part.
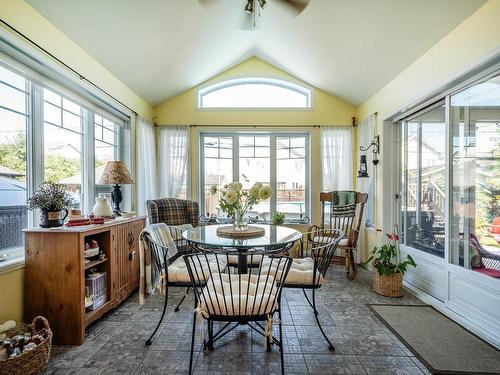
(388, 268)
(235, 201)
(278, 218)
(53, 201)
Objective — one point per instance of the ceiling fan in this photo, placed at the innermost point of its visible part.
(253, 7)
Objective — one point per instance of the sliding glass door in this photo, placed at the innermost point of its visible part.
(475, 214)
(450, 200)
(423, 171)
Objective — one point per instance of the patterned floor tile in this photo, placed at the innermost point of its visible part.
(115, 343)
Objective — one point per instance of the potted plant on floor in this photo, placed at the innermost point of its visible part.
(388, 268)
(53, 201)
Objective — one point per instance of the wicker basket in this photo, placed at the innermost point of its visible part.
(31, 362)
(387, 285)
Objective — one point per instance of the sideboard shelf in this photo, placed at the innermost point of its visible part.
(55, 273)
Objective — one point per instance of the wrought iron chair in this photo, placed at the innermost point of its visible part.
(308, 271)
(346, 216)
(172, 272)
(241, 298)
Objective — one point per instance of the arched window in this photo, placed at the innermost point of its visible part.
(254, 93)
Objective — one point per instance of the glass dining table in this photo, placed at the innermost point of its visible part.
(275, 239)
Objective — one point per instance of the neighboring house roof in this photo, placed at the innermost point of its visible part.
(8, 172)
(12, 192)
(77, 178)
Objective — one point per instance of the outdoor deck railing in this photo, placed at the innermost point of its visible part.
(12, 220)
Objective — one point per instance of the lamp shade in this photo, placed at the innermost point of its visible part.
(115, 173)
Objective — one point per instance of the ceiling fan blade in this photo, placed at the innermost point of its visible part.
(207, 3)
(296, 6)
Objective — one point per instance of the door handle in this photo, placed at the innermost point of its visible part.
(131, 256)
(131, 238)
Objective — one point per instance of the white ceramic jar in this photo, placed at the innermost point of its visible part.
(102, 207)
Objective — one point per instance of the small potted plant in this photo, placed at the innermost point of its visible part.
(278, 218)
(388, 268)
(53, 201)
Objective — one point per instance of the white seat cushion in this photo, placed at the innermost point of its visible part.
(178, 272)
(301, 272)
(245, 295)
(254, 260)
(343, 242)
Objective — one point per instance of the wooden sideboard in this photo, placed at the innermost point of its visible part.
(55, 273)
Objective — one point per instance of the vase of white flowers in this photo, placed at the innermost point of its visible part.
(235, 201)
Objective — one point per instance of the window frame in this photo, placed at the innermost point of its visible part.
(272, 159)
(35, 151)
(301, 89)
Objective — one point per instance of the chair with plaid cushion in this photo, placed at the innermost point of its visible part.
(173, 211)
(178, 214)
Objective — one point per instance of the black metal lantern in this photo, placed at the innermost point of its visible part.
(363, 168)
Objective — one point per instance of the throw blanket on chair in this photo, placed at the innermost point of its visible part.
(150, 279)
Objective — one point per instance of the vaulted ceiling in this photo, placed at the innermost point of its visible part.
(349, 48)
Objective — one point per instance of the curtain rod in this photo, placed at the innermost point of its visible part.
(256, 126)
(354, 122)
(81, 77)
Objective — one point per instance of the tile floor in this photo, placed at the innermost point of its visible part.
(115, 344)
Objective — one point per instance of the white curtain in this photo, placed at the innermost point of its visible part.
(336, 157)
(146, 163)
(366, 133)
(173, 153)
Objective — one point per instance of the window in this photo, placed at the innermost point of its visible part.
(218, 169)
(14, 100)
(63, 139)
(46, 135)
(475, 220)
(277, 160)
(423, 210)
(254, 93)
(291, 177)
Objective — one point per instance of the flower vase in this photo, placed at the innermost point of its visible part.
(239, 223)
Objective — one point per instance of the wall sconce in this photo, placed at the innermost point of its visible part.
(363, 167)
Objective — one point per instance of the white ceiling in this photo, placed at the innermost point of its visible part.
(349, 48)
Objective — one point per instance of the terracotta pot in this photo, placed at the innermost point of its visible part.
(387, 285)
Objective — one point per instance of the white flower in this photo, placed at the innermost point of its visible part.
(236, 186)
(254, 191)
(231, 196)
(213, 190)
(265, 192)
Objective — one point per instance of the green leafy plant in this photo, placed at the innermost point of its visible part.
(50, 197)
(278, 218)
(387, 259)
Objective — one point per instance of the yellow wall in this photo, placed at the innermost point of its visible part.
(327, 110)
(28, 21)
(12, 295)
(476, 39)
(24, 18)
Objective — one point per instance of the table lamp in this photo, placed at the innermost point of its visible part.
(116, 173)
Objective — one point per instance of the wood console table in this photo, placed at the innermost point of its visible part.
(55, 273)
